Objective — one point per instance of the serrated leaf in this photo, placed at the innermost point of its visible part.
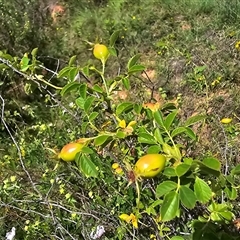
(170, 118)
(133, 61)
(212, 163)
(136, 68)
(72, 60)
(202, 190)
(88, 103)
(146, 138)
(181, 169)
(187, 197)
(170, 206)
(159, 118)
(192, 120)
(92, 116)
(178, 131)
(122, 107)
(114, 37)
(100, 140)
(70, 87)
(87, 166)
(165, 187)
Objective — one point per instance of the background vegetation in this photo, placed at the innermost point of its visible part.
(190, 54)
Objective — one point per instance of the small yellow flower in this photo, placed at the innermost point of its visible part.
(237, 45)
(61, 190)
(68, 195)
(13, 178)
(122, 124)
(73, 215)
(129, 218)
(26, 228)
(115, 165)
(52, 181)
(133, 17)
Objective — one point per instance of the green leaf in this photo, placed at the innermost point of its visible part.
(83, 91)
(80, 102)
(114, 38)
(64, 72)
(192, 120)
(101, 139)
(87, 150)
(202, 190)
(121, 134)
(70, 87)
(92, 116)
(137, 108)
(158, 136)
(133, 61)
(112, 51)
(34, 52)
(231, 193)
(73, 73)
(126, 82)
(181, 169)
(97, 88)
(212, 163)
(88, 103)
(146, 138)
(87, 166)
(170, 118)
(176, 238)
(165, 187)
(72, 60)
(123, 107)
(159, 118)
(178, 131)
(236, 170)
(169, 172)
(187, 197)
(136, 68)
(189, 132)
(154, 149)
(170, 206)
(85, 71)
(227, 215)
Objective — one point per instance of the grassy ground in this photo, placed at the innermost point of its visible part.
(191, 49)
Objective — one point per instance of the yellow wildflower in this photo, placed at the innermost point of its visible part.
(237, 45)
(129, 218)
